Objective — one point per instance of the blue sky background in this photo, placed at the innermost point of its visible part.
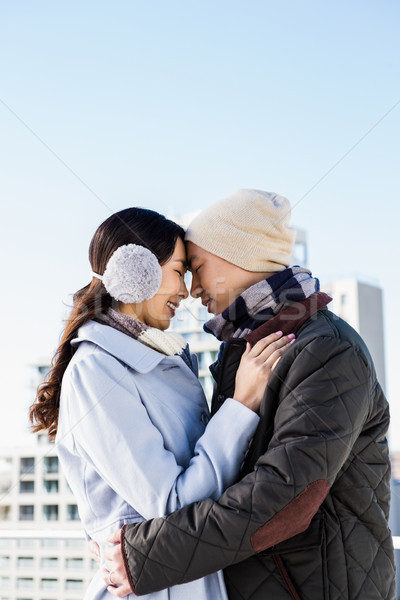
(172, 105)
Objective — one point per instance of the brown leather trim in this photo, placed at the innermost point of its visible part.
(126, 564)
(280, 565)
(294, 518)
(290, 319)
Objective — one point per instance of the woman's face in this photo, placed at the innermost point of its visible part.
(159, 310)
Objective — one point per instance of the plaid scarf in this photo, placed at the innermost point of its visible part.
(262, 302)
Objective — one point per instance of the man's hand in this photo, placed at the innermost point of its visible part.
(114, 572)
(94, 551)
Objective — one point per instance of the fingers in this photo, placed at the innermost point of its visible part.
(114, 573)
(115, 537)
(273, 352)
(113, 555)
(120, 586)
(121, 591)
(270, 340)
(269, 345)
(94, 551)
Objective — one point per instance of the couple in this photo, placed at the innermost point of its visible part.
(286, 487)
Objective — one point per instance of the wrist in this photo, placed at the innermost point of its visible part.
(250, 403)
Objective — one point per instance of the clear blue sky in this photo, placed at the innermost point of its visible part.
(172, 105)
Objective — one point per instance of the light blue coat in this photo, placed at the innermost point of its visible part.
(133, 442)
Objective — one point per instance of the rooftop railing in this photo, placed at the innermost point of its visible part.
(77, 534)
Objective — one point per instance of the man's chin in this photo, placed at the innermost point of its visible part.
(214, 309)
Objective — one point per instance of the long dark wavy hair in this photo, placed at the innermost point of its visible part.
(130, 226)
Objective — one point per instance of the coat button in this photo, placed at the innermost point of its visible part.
(205, 418)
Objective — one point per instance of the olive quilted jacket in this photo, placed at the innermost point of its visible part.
(308, 519)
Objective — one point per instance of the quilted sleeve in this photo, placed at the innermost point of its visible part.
(324, 404)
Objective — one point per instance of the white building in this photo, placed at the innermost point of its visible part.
(361, 305)
(35, 502)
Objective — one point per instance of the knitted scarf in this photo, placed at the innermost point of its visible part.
(168, 343)
(262, 302)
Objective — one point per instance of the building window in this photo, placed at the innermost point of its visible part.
(206, 358)
(26, 543)
(50, 464)
(49, 584)
(74, 563)
(203, 315)
(72, 512)
(24, 582)
(50, 486)
(27, 465)
(343, 299)
(75, 543)
(5, 487)
(43, 369)
(74, 584)
(26, 512)
(43, 439)
(49, 543)
(49, 562)
(26, 487)
(5, 512)
(4, 562)
(25, 561)
(50, 512)
(4, 582)
(300, 253)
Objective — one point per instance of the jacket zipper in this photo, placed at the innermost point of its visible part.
(286, 577)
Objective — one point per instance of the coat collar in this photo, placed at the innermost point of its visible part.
(133, 353)
(289, 320)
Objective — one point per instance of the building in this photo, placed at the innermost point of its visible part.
(361, 305)
(35, 502)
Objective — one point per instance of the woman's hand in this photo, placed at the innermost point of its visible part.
(256, 366)
(114, 573)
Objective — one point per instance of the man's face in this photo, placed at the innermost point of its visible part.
(217, 282)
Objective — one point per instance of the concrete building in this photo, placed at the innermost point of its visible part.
(361, 305)
(43, 552)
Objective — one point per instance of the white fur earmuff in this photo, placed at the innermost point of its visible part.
(132, 274)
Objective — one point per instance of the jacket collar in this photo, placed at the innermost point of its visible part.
(290, 319)
(133, 353)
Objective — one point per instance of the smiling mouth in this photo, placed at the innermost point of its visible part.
(172, 306)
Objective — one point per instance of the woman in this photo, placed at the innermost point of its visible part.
(123, 400)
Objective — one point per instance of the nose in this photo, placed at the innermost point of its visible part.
(195, 289)
(183, 292)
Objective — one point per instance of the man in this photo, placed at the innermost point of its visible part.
(308, 519)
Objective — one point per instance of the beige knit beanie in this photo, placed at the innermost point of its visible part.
(248, 229)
